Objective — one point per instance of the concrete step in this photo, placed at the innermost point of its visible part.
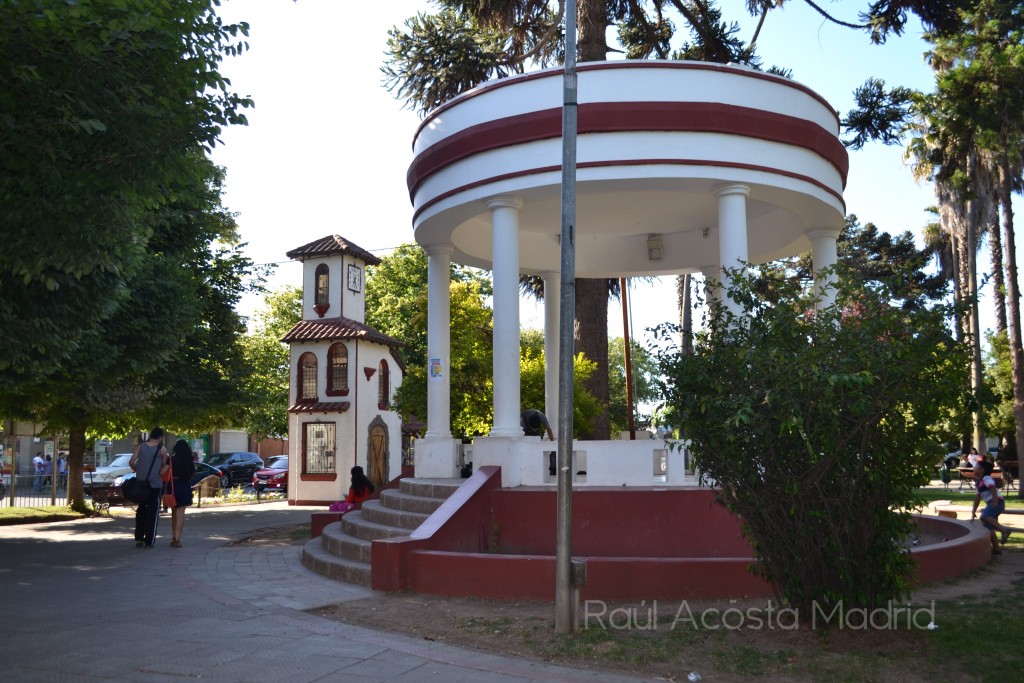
(316, 558)
(354, 524)
(343, 550)
(378, 513)
(430, 488)
(399, 500)
(337, 542)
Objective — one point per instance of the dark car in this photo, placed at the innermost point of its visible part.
(274, 476)
(237, 467)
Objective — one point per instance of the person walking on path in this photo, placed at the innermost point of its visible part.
(182, 469)
(144, 461)
(994, 504)
(62, 471)
(37, 467)
(47, 474)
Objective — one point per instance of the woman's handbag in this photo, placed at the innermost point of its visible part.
(137, 490)
(169, 500)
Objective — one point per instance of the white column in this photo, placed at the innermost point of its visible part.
(711, 273)
(732, 230)
(825, 255)
(439, 259)
(505, 260)
(552, 320)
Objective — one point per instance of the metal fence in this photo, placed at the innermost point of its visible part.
(29, 490)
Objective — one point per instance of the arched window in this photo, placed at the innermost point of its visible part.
(337, 370)
(307, 377)
(320, 302)
(383, 386)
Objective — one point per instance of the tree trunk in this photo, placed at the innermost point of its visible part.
(76, 460)
(591, 328)
(951, 221)
(1013, 302)
(977, 378)
(998, 278)
(592, 24)
(683, 287)
(591, 339)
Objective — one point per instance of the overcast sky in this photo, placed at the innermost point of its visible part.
(327, 147)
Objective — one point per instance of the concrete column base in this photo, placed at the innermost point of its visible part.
(437, 458)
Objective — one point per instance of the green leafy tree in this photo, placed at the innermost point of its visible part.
(999, 379)
(396, 304)
(644, 372)
(874, 254)
(102, 107)
(169, 353)
(532, 367)
(396, 291)
(978, 101)
(266, 412)
(817, 426)
(470, 365)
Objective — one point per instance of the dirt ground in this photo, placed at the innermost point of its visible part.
(526, 629)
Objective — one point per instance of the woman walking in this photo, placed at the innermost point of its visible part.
(182, 469)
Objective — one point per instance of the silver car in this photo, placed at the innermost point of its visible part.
(105, 476)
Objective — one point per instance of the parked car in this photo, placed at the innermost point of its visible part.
(105, 476)
(202, 472)
(274, 476)
(238, 467)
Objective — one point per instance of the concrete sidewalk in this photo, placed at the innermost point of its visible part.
(81, 603)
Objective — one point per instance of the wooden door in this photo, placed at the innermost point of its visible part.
(378, 459)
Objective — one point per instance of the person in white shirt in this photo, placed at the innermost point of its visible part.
(994, 504)
(38, 465)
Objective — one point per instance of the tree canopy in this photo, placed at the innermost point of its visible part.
(816, 425)
(169, 352)
(266, 411)
(119, 267)
(102, 107)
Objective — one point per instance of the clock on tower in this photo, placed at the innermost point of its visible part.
(355, 278)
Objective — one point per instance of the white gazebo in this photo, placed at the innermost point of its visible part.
(682, 167)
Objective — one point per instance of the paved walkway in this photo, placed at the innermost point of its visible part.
(78, 602)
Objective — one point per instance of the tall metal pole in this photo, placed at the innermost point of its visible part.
(564, 621)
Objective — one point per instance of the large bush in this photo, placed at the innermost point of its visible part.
(815, 424)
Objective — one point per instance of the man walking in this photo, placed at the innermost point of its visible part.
(38, 464)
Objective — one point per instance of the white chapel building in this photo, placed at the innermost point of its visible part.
(343, 377)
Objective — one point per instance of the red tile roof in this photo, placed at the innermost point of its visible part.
(331, 329)
(320, 407)
(329, 246)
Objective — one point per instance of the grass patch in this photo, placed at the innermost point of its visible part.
(37, 514)
(901, 652)
(230, 496)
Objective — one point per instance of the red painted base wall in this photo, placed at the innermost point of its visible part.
(639, 544)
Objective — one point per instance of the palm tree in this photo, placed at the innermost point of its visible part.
(980, 94)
